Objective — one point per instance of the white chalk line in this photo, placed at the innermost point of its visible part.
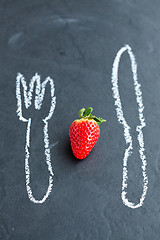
(122, 120)
(39, 95)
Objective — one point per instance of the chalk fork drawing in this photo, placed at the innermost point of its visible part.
(39, 95)
(126, 127)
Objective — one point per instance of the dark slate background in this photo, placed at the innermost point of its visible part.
(75, 43)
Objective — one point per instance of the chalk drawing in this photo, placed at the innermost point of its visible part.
(126, 127)
(39, 95)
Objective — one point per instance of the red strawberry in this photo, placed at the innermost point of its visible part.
(84, 133)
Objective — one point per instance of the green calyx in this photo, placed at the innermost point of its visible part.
(86, 114)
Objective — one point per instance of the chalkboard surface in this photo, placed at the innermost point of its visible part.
(75, 44)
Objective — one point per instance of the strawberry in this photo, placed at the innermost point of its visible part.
(84, 133)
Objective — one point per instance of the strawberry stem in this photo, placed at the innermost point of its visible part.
(81, 112)
(86, 113)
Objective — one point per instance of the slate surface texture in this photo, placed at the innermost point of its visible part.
(75, 43)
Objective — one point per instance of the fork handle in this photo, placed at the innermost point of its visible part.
(48, 162)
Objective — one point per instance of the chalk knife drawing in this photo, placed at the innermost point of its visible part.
(39, 95)
(126, 127)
